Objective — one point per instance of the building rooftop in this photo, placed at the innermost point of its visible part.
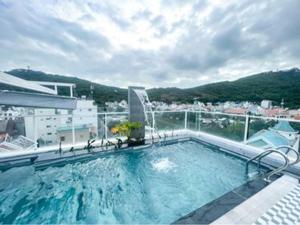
(268, 137)
(284, 126)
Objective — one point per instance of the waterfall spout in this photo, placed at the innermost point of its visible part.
(139, 104)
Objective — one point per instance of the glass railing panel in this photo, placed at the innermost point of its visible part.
(101, 127)
(34, 131)
(50, 131)
(168, 121)
(227, 126)
(81, 129)
(112, 119)
(193, 121)
(259, 124)
(294, 136)
(46, 130)
(14, 135)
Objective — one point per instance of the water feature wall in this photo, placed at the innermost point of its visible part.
(138, 104)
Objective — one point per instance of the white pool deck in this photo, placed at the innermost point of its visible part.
(255, 209)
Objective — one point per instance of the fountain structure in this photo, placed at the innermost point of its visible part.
(139, 104)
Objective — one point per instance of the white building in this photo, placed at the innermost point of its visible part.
(85, 119)
(42, 126)
(9, 113)
(48, 121)
(266, 104)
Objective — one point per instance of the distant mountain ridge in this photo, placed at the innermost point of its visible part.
(273, 86)
(267, 85)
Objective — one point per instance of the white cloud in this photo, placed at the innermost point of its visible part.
(150, 43)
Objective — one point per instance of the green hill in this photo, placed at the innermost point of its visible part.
(268, 85)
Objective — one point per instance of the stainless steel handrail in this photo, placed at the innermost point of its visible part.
(264, 154)
(289, 148)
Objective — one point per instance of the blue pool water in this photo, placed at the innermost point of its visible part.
(154, 185)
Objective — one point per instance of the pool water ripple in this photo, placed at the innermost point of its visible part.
(155, 185)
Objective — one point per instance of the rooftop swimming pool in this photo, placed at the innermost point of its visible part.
(158, 184)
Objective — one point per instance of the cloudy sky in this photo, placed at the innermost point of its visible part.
(182, 43)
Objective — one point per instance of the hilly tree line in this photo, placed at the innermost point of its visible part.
(268, 85)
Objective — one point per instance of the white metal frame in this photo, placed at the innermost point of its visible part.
(56, 85)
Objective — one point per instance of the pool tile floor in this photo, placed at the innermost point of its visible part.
(253, 209)
(286, 211)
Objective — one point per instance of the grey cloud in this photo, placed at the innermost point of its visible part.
(111, 12)
(50, 32)
(245, 32)
(143, 14)
(233, 40)
(160, 24)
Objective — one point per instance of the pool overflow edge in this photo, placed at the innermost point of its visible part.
(65, 157)
(52, 158)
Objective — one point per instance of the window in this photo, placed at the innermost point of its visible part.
(49, 133)
(48, 126)
(62, 138)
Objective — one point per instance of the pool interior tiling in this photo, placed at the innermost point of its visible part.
(215, 209)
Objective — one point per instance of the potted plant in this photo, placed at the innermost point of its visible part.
(125, 129)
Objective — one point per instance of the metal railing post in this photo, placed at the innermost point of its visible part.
(35, 131)
(73, 130)
(199, 121)
(153, 122)
(105, 125)
(246, 132)
(185, 119)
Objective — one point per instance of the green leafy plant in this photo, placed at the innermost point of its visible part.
(125, 128)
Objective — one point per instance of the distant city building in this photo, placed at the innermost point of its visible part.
(266, 104)
(239, 111)
(116, 106)
(294, 113)
(274, 112)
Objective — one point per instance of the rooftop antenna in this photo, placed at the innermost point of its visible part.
(92, 91)
(282, 103)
